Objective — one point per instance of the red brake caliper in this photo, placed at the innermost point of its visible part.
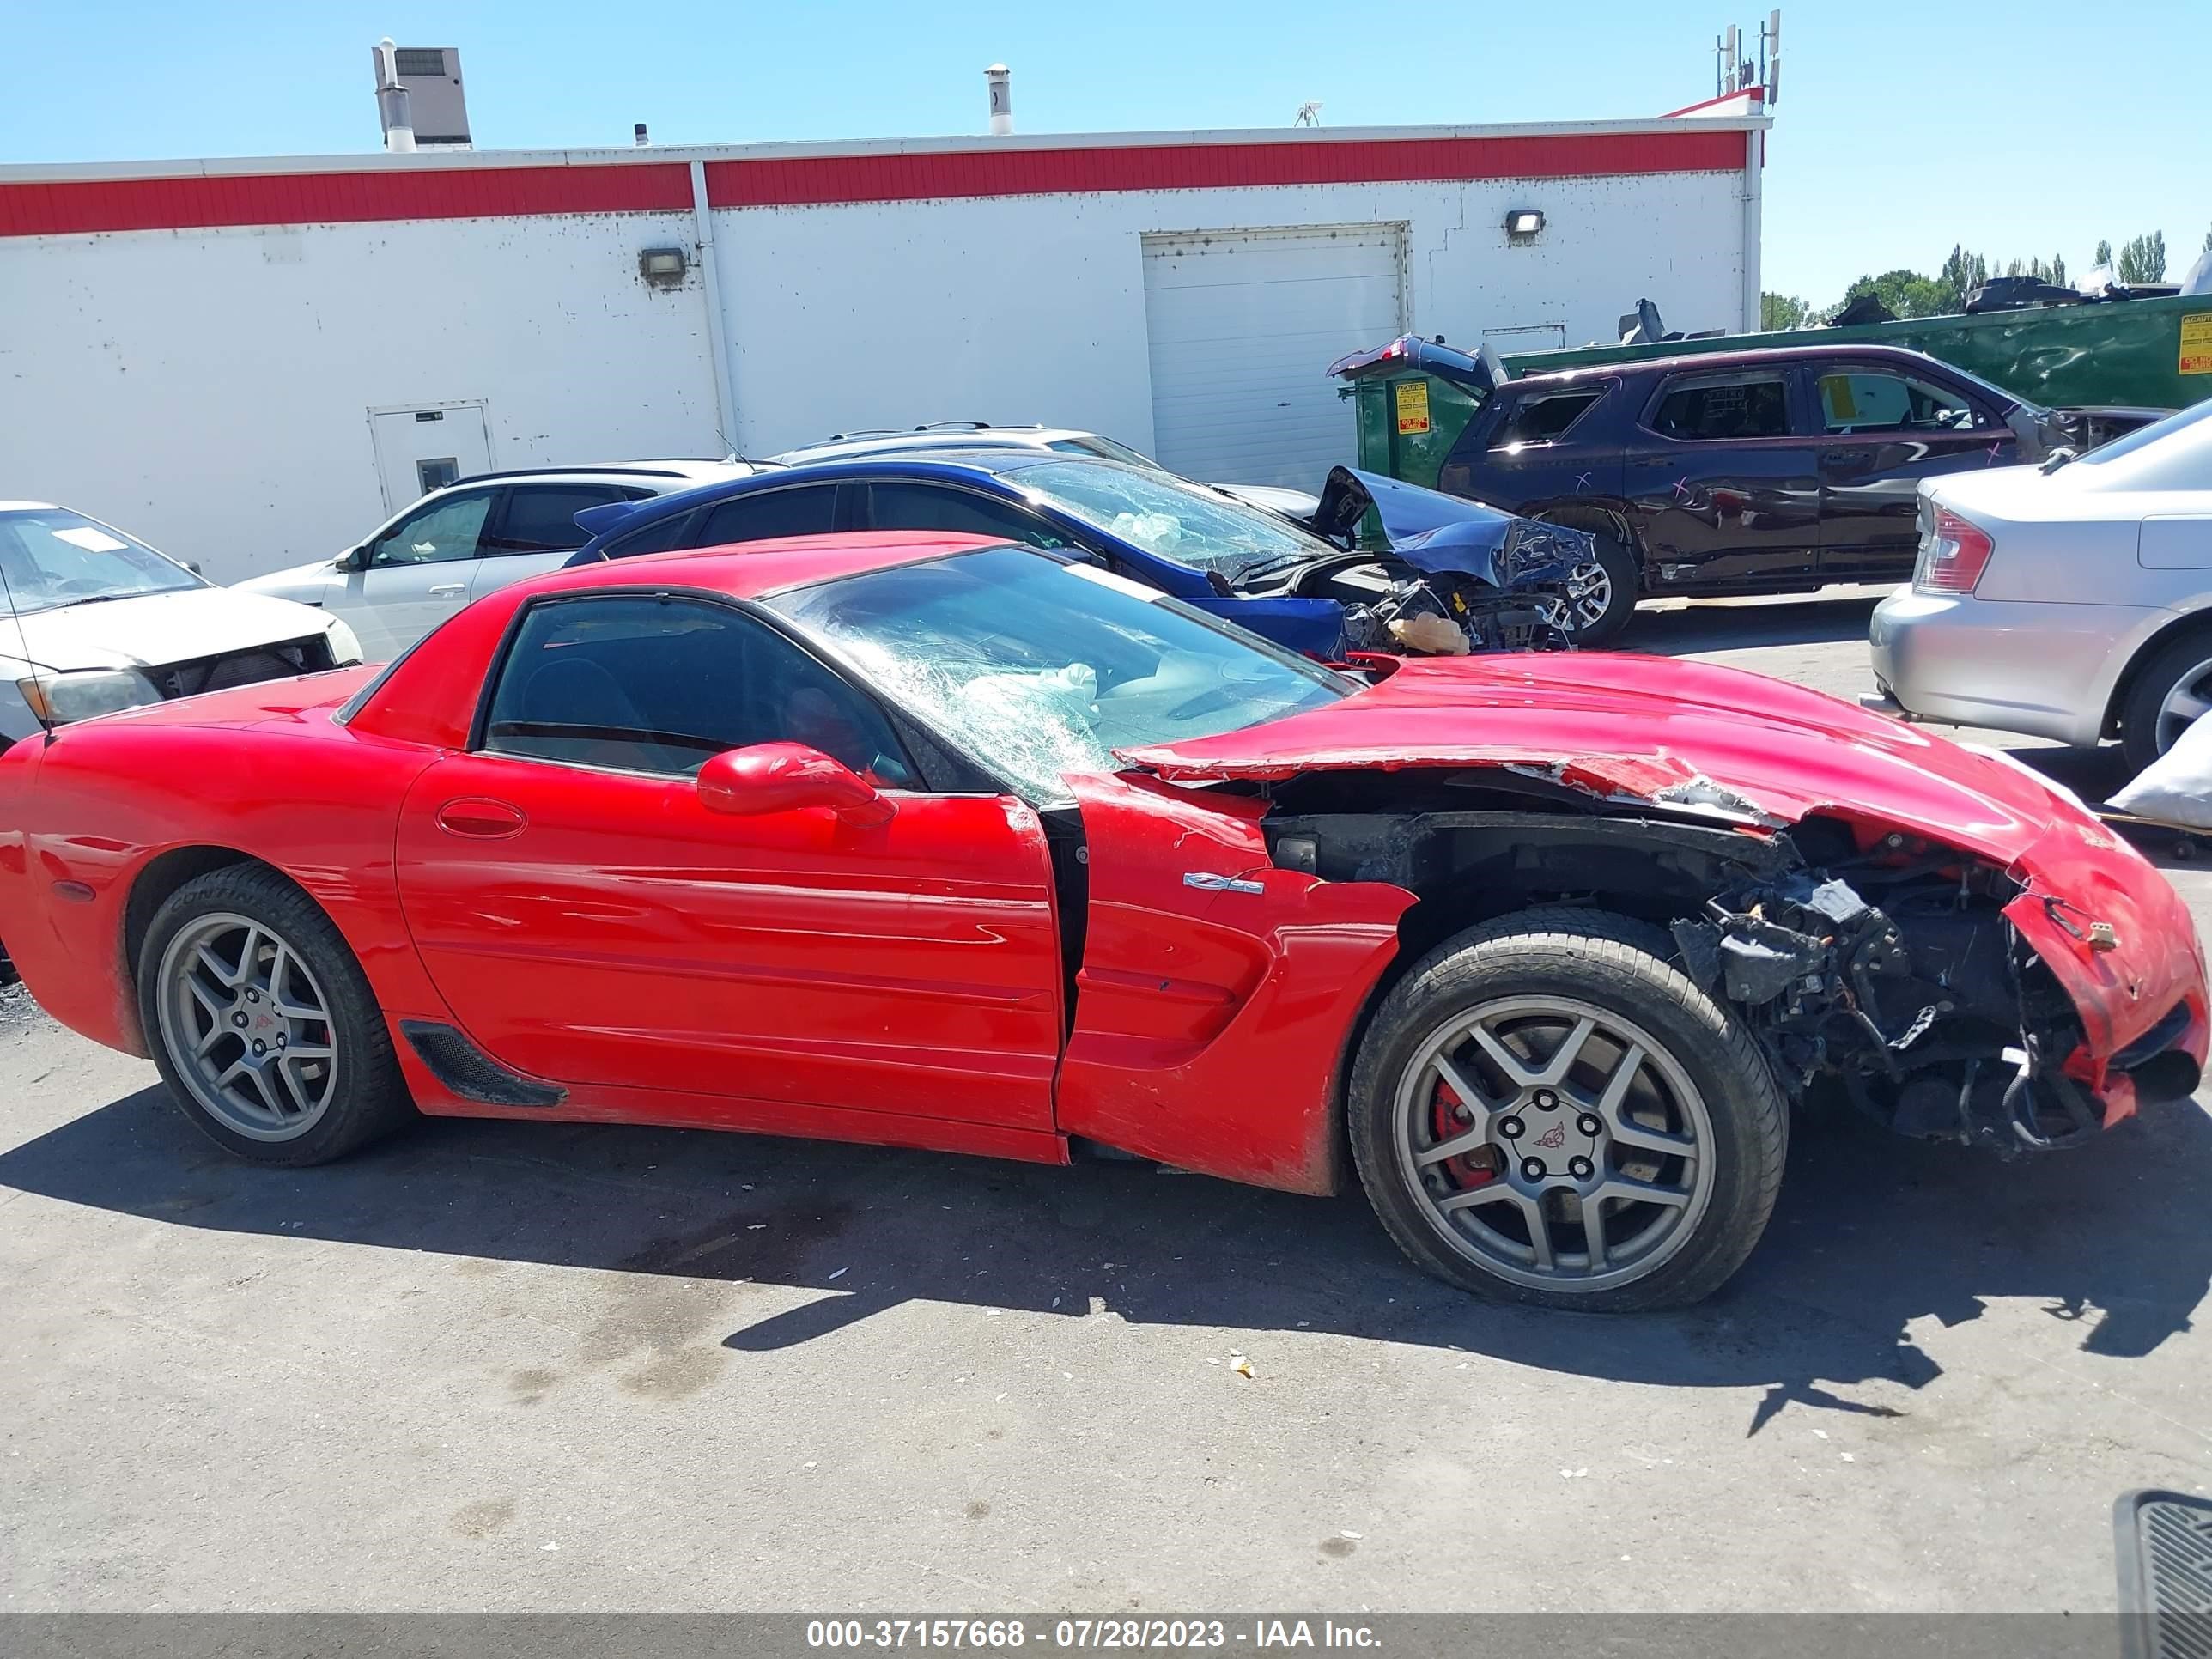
(1474, 1169)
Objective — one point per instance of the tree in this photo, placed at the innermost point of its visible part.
(2102, 259)
(1906, 293)
(1781, 311)
(2058, 270)
(2143, 260)
(2207, 241)
(1962, 273)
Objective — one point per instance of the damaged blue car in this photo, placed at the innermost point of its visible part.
(1379, 565)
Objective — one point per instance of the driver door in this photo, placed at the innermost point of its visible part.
(419, 572)
(590, 921)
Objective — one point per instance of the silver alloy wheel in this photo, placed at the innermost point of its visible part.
(247, 1027)
(1553, 1142)
(1589, 594)
(2190, 696)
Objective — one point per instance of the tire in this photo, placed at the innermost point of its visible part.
(1616, 562)
(239, 958)
(2147, 731)
(1701, 1088)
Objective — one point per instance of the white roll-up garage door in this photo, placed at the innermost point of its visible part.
(1242, 324)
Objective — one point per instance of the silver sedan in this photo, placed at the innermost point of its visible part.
(2070, 601)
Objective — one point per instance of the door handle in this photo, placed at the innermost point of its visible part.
(446, 590)
(480, 819)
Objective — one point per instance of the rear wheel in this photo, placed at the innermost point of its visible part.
(2170, 691)
(1546, 1109)
(263, 1024)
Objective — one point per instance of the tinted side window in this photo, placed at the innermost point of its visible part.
(1545, 420)
(645, 684)
(542, 517)
(955, 511)
(1741, 406)
(659, 536)
(1866, 400)
(437, 535)
(807, 510)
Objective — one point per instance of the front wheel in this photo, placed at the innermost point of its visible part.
(262, 1023)
(1602, 601)
(1547, 1109)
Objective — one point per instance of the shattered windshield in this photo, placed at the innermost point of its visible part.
(52, 557)
(1041, 668)
(1165, 516)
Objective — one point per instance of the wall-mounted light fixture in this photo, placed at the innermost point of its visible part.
(663, 267)
(1522, 226)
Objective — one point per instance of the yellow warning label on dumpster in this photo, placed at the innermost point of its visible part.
(1413, 401)
(2195, 346)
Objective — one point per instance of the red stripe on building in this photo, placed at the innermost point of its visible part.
(458, 192)
(802, 181)
(299, 198)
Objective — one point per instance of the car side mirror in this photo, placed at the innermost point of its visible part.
(354, 558)
(784, 777)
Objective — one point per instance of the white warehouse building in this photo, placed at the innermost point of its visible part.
(252, 362)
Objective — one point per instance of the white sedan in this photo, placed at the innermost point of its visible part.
(2070, 601)
(466, 540)
(92, 620)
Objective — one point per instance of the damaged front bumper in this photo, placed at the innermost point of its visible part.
(1970, 1004)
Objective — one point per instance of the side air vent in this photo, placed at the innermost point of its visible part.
(472, 1074)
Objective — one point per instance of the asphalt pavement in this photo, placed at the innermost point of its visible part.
(514, 1367)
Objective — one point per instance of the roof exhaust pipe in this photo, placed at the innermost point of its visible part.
(997, 78)
(392, 101)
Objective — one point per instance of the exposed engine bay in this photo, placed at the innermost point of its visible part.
(1927, 1006)
(1440, 576)
(1889, 971)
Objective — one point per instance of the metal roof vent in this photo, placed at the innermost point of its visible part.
(419, 92)
(999, 78)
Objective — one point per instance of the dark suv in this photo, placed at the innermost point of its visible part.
(1741, 471)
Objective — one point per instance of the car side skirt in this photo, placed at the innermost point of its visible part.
(663, 1109)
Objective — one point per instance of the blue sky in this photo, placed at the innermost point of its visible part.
(2033, 127)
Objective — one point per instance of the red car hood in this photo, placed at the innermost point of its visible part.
(1653, 728)
(1636, 724)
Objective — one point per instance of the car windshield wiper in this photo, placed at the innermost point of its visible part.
(93, 598)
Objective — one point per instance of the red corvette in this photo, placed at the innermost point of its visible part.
(941, 842)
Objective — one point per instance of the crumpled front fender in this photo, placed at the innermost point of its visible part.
(2114, 934)
(1217, 991)
(1449, 535)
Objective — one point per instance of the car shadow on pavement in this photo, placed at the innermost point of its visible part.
(1871, 1234)
(1680, 630)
